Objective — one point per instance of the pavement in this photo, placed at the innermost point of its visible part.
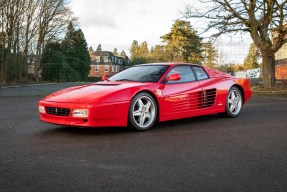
(209, 153)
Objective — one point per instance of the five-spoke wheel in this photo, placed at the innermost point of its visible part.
(143, 112)
(233, 102)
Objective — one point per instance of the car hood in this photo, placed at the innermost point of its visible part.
(102, 91)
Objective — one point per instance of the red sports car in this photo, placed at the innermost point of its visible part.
(144, 94)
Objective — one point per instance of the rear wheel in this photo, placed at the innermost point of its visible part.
(142, 112)
(234, 103)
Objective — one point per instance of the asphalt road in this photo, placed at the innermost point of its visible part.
(210, 153)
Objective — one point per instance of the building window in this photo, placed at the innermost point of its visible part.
(98, 59)
(106, 68)
(106, 59)
(101, 60)
(97, 68)
(115, 69)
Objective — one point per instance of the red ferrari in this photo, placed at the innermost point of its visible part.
(144, 94)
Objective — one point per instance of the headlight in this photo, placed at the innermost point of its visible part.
(41, 109)
(80, 113)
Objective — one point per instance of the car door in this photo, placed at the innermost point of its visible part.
(208, 94)
(180, 97)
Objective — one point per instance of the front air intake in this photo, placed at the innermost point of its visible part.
(58, 111)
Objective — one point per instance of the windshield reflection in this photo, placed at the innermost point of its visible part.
(141, 73)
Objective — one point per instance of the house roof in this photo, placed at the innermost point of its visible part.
(103, 53)
(109, 54)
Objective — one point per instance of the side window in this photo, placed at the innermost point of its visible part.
(200, 73)
(186, 74)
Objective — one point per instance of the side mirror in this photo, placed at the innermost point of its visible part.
(173, 77)
(104, 77)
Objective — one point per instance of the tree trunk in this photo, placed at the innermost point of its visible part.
(268, 70)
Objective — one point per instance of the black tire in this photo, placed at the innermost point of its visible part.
(234, 102)
(142, 112)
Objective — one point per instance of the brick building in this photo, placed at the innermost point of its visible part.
(281, 63)
(106, 63)
(281, 58)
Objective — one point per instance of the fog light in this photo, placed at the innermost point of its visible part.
(41, 109)
(80, 112)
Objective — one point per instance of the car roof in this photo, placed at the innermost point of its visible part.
(170, 64)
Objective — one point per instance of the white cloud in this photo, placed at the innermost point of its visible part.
(115, 23)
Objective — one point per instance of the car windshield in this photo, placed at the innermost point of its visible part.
(141, 73)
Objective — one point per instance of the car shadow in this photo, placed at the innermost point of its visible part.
(188, 123)
(193, 123)
(87, 131)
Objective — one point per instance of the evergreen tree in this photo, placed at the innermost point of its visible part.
(183, 43)
(99, 48)
(139, 60)
(52, 62)
(210, 55)
(76, 51)
(226, 68)
(134, 50)
(151, 49)
(136, 56)
(143, 49)
(251, 60)
(158, 54)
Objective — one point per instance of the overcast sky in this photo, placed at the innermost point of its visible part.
(116, 23)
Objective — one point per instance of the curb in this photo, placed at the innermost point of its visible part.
(28, 85)
(269, 92)
(40, 84)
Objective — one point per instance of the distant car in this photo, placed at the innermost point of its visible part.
(144, 94)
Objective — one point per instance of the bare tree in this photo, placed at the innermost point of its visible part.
(52, 21)
(2, 40)
(25, 27)
(11, 17)
(264, 20)
(30, 29)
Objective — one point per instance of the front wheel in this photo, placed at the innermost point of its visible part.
(142, 112)
(233, 103)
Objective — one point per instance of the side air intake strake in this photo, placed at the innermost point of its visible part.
(206, 98)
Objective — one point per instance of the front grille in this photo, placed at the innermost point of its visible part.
(58, 111)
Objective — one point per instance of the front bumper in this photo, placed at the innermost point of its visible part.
(104, 115)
